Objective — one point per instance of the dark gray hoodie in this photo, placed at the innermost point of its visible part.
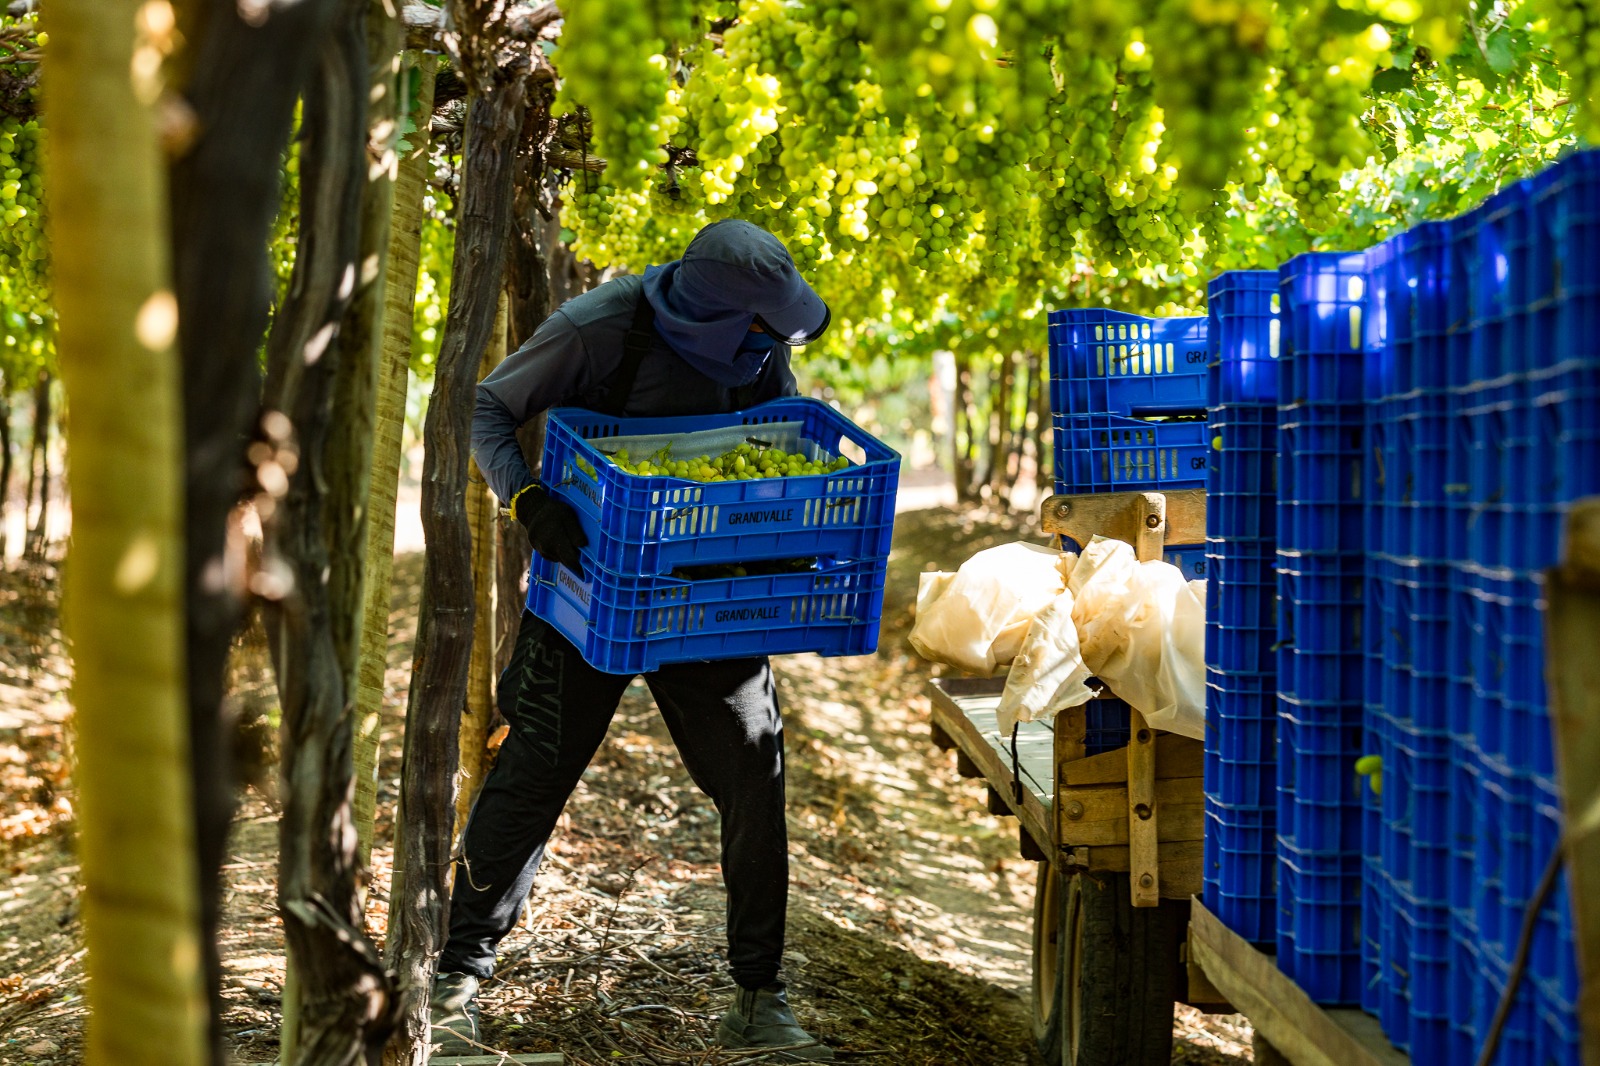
(732, 273)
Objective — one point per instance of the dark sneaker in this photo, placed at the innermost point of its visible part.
(453, 1013)
(762, 1019)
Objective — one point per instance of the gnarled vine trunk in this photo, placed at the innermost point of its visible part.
(242, 82)
(444, 629)
(346, 1002)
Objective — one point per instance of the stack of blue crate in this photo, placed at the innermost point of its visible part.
(1241, 884)
(1321, 572)
(820, 542)
(1128, 395)
(1526, 400)
(1405, 918)
(1483, 428)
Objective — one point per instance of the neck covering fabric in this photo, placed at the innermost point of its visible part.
(709, 330)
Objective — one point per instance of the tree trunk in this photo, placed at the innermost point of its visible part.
(346, 1002)
(1000, 395)
(5, 463)
(33, 468)
(444, 629)
(38, 531)
(1021, 414)
(962, 434)
(123, 609)
(1044, 430)
(484, 525)
(244, 79)
(400, 292)
(538, 281)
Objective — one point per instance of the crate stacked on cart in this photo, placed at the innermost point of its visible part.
(1484, 427)
(1406, 909)
(1241, 772)
(1128, 395)
(680, 570)
(1321, 570)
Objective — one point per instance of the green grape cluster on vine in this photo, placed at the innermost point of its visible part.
(26, 315)
(927, 152)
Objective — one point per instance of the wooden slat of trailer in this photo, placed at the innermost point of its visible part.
(965, 709)
(1278, 1008)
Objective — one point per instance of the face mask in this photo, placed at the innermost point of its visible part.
(757, 342)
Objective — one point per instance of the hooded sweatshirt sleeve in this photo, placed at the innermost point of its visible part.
(551, 369)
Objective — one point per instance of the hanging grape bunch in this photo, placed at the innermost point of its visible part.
(23, 258)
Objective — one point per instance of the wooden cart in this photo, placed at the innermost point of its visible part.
(1118, 835)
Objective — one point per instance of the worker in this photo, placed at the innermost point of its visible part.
(704, 334)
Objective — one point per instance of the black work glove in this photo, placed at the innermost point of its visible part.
(552, 527)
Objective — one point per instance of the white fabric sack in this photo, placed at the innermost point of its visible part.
(1141, 629)
(976, 618)
(1049, 672)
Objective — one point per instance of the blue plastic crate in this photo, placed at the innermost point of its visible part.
(1465, 822)
(1244, 336)
(1189, 558)
(1505, 867)
(1561, 1037)
(1380, 367)
(1242, 869)
(1520, 1036)
(649, 525)
(1465, 957)
(1424, 265)
(1107, 453)
(1553, 959)
(1566, 239)
(1374, 907)
(1328, 592)
(1326, 812)
(1319, 900)
(1567, 417)
(1106, 725)
(634, 624)
(1496, 348)
(1242, 482)
(1380, 514)
(1324, 304)
(1461, 243)
(1110, 363)
(1323, 512)
(1243, 588)
(1241, 746)
(1394, 973)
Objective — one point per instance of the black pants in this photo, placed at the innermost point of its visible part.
(723, 717)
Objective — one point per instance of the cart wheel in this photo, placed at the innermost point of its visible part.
(1048, 999)
(1117, 976)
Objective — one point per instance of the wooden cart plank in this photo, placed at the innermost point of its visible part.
(1182, 864)
(1176, 756)
(1120, 516)
(1100, 815)
(963, 711)
(1278, 1008)
(1144, 825)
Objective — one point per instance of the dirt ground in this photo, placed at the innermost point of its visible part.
(910, 909)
